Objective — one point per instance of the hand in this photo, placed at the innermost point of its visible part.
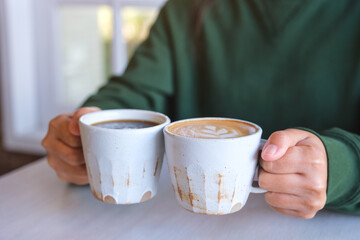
(64, 149)
(294, 172)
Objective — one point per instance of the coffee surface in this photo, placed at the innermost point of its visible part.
(125, 124)
(212, 128)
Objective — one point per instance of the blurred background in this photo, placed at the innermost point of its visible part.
(53, 55)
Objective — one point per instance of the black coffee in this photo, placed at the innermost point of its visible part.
(125, 124)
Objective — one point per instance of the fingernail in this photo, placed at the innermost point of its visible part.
(270, 149)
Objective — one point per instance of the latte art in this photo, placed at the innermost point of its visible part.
(213, 132)
(212, 128)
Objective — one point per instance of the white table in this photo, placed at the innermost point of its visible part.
(35, 204)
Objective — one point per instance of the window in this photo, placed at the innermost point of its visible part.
(54, 53)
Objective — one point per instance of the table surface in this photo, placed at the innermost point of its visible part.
(35, 204)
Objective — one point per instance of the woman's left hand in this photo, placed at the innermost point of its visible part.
(294, 172)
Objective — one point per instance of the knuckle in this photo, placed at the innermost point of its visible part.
(319, 187)
(318, 164)
(317, 183)
(45, 142)
(316, 156)
(320, 205)
(279, 135)
(315, 204)
(55, 122)
(317, 195)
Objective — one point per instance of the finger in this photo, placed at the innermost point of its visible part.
(295, 160)
(79, 180)
(74, 124)
(60, 126)
(306, 207)
(55, 147)
(305, 159)
(294, 213)
(62, 167)
(72, 156)
(278, 143)
(284, 183)
(283, 200)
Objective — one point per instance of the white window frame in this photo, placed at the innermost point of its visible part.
(29, 65)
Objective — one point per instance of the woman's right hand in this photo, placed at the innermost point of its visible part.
(63, 146)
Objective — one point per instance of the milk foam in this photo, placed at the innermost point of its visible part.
(217, 129)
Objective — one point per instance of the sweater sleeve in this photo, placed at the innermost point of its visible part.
(147, 81)
(343, 153)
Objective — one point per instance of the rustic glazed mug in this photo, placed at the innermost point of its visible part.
(123, 151)
(212, 163)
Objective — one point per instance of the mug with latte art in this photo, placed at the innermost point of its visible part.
(212, 163)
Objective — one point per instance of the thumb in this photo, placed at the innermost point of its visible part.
(74, 123)
(279, 142)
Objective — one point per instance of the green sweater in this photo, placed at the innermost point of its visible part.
(278, 63)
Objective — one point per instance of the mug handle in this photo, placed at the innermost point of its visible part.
(257, 189)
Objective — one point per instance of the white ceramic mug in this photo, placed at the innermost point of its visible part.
(213, 176)
(123, 165)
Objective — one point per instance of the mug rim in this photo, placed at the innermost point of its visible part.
(169, 133)
(159, 125)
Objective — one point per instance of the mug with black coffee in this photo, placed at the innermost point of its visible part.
(123, 151)
(212, 163)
